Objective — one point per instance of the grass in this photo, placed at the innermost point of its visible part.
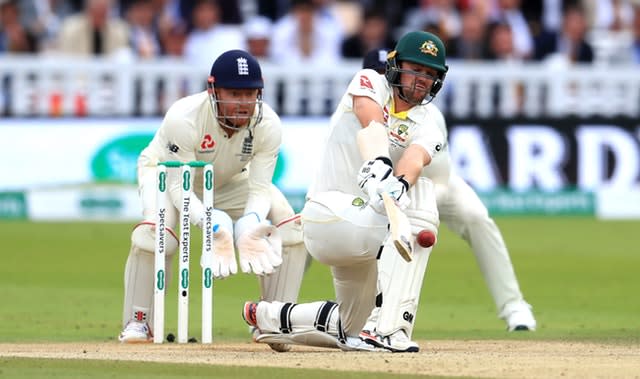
(62, 282)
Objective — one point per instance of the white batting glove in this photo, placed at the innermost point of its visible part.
(372, 172)
(259, 245)
(375, 177)
(223, 259)
(397, 187)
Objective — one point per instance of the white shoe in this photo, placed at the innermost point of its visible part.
(249, 314)
(136, 332)
(519, 317)
(279, 347)
(397, 342)
(357, 344)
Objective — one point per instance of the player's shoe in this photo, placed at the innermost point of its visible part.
(358, 344)
(397, 342)
(136, 332)
(249, 315)
(519, 317)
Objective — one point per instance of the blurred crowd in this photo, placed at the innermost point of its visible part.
(323, 31)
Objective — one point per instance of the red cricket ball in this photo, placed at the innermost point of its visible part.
(426, 238)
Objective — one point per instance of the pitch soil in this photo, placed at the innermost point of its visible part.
(477, 358)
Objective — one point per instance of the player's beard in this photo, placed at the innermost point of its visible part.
(415, 93)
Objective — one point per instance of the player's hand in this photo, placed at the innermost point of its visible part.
(396, 187)
(375, 177)
(259, 245)
(372, 172)
(223, 259)
(224, 253)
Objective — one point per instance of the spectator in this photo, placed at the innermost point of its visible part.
(501, 45)
(257, 31)
(442, 13)
(144, 39)
(209, 38)
(94, 32)
(612, 15)
(635, 46)
(172, 41)
(501, 48)
(509, 11)
(43, 19)
(471, 44)
(373, 34)
(14, 37)
(306, 36)
(570, 43)
(169, 16)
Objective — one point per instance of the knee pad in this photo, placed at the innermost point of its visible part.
(143, 237)
(290, 230)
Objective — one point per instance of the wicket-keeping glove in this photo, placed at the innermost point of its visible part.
(259, 245)
(223, 259)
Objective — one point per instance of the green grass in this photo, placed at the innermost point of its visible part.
(63, 282)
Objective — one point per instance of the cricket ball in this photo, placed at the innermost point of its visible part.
(426, 238)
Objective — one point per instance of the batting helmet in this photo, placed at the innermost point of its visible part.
(376, 60)
(236, 69)
(422, 48)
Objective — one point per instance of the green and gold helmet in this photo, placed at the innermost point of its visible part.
(422, 48)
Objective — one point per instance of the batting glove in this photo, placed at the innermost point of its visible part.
(259, 245)
(396, 187)
(372, 172)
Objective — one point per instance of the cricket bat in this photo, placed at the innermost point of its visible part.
(399, 227)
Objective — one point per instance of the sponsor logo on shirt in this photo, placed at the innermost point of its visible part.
(365, 82)
(207, 144)
(172, 147)
(399, 133)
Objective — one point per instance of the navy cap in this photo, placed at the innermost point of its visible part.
(375, 59)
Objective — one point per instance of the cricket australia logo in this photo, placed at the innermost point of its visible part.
(243, 67)
(399, 134)
(429, 47)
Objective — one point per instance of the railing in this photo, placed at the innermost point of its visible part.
(56, 86)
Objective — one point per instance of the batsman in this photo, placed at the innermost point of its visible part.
(229, 126)
(382, 136)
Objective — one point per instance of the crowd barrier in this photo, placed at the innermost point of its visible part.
(63, 86)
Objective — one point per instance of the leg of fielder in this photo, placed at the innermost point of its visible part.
(466, 215)
(139, 269)
(400, 282)
(284, 284)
